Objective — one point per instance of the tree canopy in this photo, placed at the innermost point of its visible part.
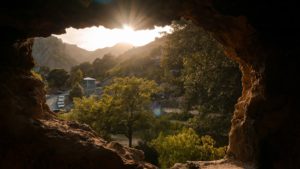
(130, 98)
(123, 108)
(76, 76)
(76, 91)
(195, 62)
(57, 78)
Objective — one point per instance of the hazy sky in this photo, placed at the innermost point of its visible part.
(99, 37)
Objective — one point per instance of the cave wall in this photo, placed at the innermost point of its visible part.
(261, 36)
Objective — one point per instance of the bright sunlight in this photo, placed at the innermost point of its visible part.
(100, 37)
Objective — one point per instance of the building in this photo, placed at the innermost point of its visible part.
(89, 83)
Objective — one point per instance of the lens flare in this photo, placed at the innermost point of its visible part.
(156, 109)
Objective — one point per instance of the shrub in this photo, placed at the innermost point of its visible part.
(186, 145)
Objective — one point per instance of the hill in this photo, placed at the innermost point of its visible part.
(53, 53)
(141, 61)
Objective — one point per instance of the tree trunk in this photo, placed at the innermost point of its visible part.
(129, 135)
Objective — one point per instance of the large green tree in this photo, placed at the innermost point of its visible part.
(57, 78)
(123, 108)
(129, 98)
(195, 63)
(76, 76)
(76, 91)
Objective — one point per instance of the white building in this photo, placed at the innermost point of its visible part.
(89, 83)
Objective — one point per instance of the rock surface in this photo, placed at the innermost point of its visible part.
(56, 144)
(219, 164)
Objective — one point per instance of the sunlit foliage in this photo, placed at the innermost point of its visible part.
(186, 145)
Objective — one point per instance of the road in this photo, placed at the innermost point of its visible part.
(51, 100)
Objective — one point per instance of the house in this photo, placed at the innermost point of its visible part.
(89, 83)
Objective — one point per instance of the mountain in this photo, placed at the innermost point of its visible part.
(115, 50)
(141, 61)
(53, 53)
(143, 51)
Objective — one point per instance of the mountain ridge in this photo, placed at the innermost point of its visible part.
(54, 53)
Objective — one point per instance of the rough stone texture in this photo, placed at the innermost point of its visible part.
(262, 37)
(219, 164)
(54, 143)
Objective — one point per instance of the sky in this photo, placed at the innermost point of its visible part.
(94, 37)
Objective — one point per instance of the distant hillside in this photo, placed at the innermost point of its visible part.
(52, 52)
(141, 61)
(115, 50)
(143, 51)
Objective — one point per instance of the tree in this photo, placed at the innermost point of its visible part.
(101, 66)
(57, 78)
(75, 77)
(208, 80)
(129, 99)
(216, 126)
(85, 67)
(123, 108)
(76, 91)
(91, 111)
(185, 145)
(195, 62)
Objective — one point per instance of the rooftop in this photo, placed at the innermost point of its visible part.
(88, 78)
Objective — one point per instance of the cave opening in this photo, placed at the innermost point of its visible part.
(261, 37)
(195, 92)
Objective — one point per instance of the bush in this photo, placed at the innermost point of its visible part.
(186, 145)
(76, 91)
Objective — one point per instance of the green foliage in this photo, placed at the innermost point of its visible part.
(186, 145)
(86, 69)
(122, 109)
(129, 98)
(184, 116)
(76, 76)
(195, 67)
(195, 63)
(57, 78)
(145, 65)
(211, 81)
(94, 112)
(98, 69)
(160, 124)
(76, 91)
(101, 66)
(214, 125)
